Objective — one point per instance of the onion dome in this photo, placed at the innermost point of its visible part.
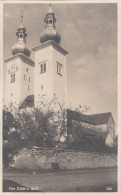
(20, 46)
(50, 33)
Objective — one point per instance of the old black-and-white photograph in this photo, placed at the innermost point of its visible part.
(60, 129)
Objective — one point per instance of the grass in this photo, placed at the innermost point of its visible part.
(42, 171)
(83, 180)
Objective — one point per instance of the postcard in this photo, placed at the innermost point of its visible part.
(60, 104)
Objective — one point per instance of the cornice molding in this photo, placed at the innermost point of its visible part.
(54, 44)
(23, 57)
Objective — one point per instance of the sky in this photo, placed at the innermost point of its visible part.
(89, 33)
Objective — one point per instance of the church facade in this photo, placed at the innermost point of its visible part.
(28, 81)
(44, 77)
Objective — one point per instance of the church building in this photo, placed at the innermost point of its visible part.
(27, 81)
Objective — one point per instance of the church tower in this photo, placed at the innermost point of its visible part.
(20, 70)
(50, 63)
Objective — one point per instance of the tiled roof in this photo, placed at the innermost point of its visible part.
(29, 101)
(101, 118)
(94, 119)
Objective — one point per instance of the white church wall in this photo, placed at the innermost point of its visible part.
(49, 83)
(13, 89)
(43, 81)
(109, 141)
(111, 127)
(59, 81)
(26, 80)
(101, 127)
(17, 91)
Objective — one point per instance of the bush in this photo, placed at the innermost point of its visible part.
(7, 157)
(25, 160)
(91, 145)
(55, 166)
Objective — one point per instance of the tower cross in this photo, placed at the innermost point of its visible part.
(22, 12)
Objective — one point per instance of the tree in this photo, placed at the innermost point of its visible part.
(8, 123)
(44, 125)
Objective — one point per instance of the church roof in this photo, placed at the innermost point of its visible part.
(28, 101)
(95, 119)
(20, 45)
(50, 32)
(101, 118)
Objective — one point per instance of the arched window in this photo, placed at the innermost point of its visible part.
(21, 35)
(12, 78)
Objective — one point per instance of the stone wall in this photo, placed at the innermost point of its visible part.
(43, 159)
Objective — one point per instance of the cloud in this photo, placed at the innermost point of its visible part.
(86, 60)
(96, 79)
(73, 34)
(107, 54)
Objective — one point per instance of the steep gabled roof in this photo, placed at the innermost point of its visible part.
(28, 101)
(95, 119)
(101, 118)
(78, 116)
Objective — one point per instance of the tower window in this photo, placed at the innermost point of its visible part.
(25, 77)
(50, 21)
(59, 69)
(27, 70)
(11, 94)
(43, 67)
(28, 88)
(41, 87)
(12, 78)
(21, 35)
(29, 79)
